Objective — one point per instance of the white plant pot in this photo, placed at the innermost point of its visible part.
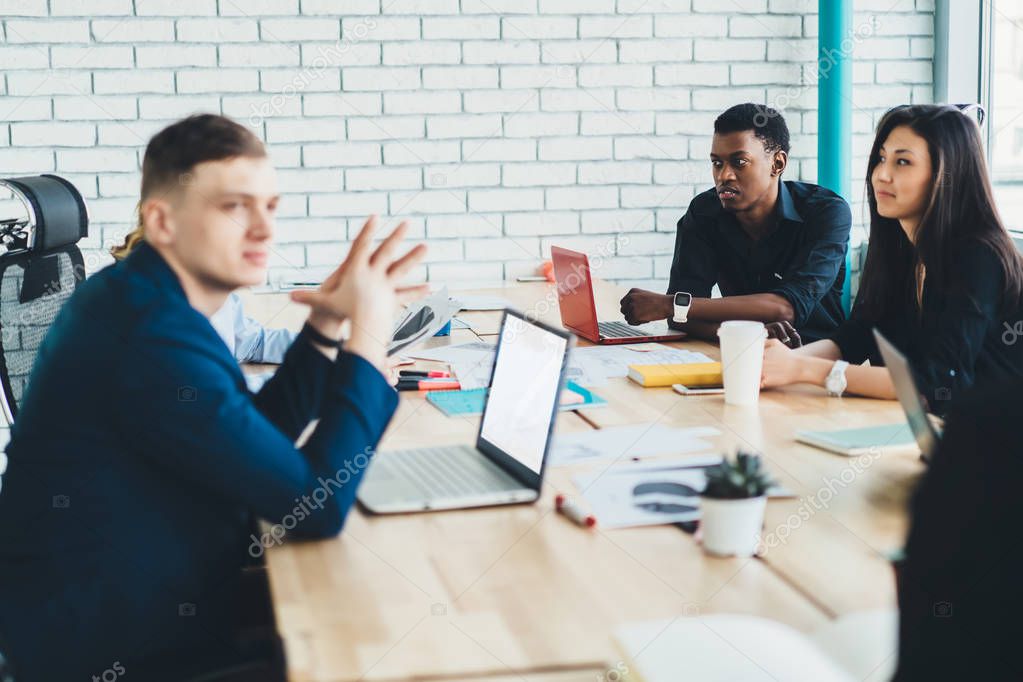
(731, 527)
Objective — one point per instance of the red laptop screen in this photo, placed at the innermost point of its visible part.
(575, 291)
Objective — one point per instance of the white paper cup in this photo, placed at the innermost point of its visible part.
(742, 360)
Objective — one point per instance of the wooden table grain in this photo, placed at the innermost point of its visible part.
(519, 593)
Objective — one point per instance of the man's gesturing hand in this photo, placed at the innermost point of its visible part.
(366, 289)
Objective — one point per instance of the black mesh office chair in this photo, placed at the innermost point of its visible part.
(40, 267)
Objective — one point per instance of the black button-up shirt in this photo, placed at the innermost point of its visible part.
(963, 335)
(801, 259)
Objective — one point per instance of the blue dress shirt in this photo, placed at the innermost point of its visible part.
(248, 340)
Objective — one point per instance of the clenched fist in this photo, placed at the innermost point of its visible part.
(639, 306)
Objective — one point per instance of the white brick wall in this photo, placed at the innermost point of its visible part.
(496, 127)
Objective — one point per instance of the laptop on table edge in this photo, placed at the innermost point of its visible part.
(505, 466)
(924, 430)
(579, 309)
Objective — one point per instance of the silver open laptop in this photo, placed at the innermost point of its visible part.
(506, 465)
(924, 430)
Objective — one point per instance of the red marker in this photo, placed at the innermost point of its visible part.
(574, 512)
(432, 374)
(428, 385)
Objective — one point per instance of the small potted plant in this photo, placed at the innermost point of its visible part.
(732, 506)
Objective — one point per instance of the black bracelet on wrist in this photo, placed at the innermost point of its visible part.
(319, 338)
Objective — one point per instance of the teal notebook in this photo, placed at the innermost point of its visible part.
(470, 402)
(855, 442)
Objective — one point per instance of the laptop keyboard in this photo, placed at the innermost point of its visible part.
(446, 471)
(618, 330)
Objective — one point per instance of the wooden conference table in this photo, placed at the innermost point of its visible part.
(520, 593)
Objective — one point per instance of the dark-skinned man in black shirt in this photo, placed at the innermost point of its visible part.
(776, 249)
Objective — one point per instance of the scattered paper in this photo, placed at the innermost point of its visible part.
(628, 442)
(479, 302)
(659, 353)
(473, 374)
(459, 352)
(594, 365)
(629, 497)
(669, 464)
(471, 363)
(420, 321)
(650, 493)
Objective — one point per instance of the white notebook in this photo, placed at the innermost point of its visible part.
(725, 647)
(861, 441)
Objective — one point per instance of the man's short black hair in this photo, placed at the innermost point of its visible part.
(767, 124)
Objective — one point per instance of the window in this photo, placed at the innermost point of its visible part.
(978, 57)
(1004, 80)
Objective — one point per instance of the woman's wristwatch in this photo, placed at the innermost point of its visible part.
(836, 382)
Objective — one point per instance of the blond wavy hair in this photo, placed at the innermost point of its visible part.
(132, 239)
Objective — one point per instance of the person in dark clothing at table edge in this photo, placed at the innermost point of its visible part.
(960, 595)
(775, 248)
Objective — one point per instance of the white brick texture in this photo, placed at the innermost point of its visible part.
(496, 127)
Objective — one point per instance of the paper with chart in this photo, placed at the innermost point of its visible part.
(629, 442)
(645, 496)
(650, 493)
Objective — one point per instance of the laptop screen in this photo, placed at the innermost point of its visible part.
(575, 292)
(524, 388)
(909, 397)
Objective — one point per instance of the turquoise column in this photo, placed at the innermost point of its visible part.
(834, 127)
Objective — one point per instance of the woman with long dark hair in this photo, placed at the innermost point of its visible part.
(942, 279)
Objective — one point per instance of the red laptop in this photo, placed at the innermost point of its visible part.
(579, 312)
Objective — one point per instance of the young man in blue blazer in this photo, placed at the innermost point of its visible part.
(139, 461)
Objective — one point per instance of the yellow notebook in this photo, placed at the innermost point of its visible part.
(690, 374)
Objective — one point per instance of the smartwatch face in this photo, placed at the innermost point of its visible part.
(683, 299)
